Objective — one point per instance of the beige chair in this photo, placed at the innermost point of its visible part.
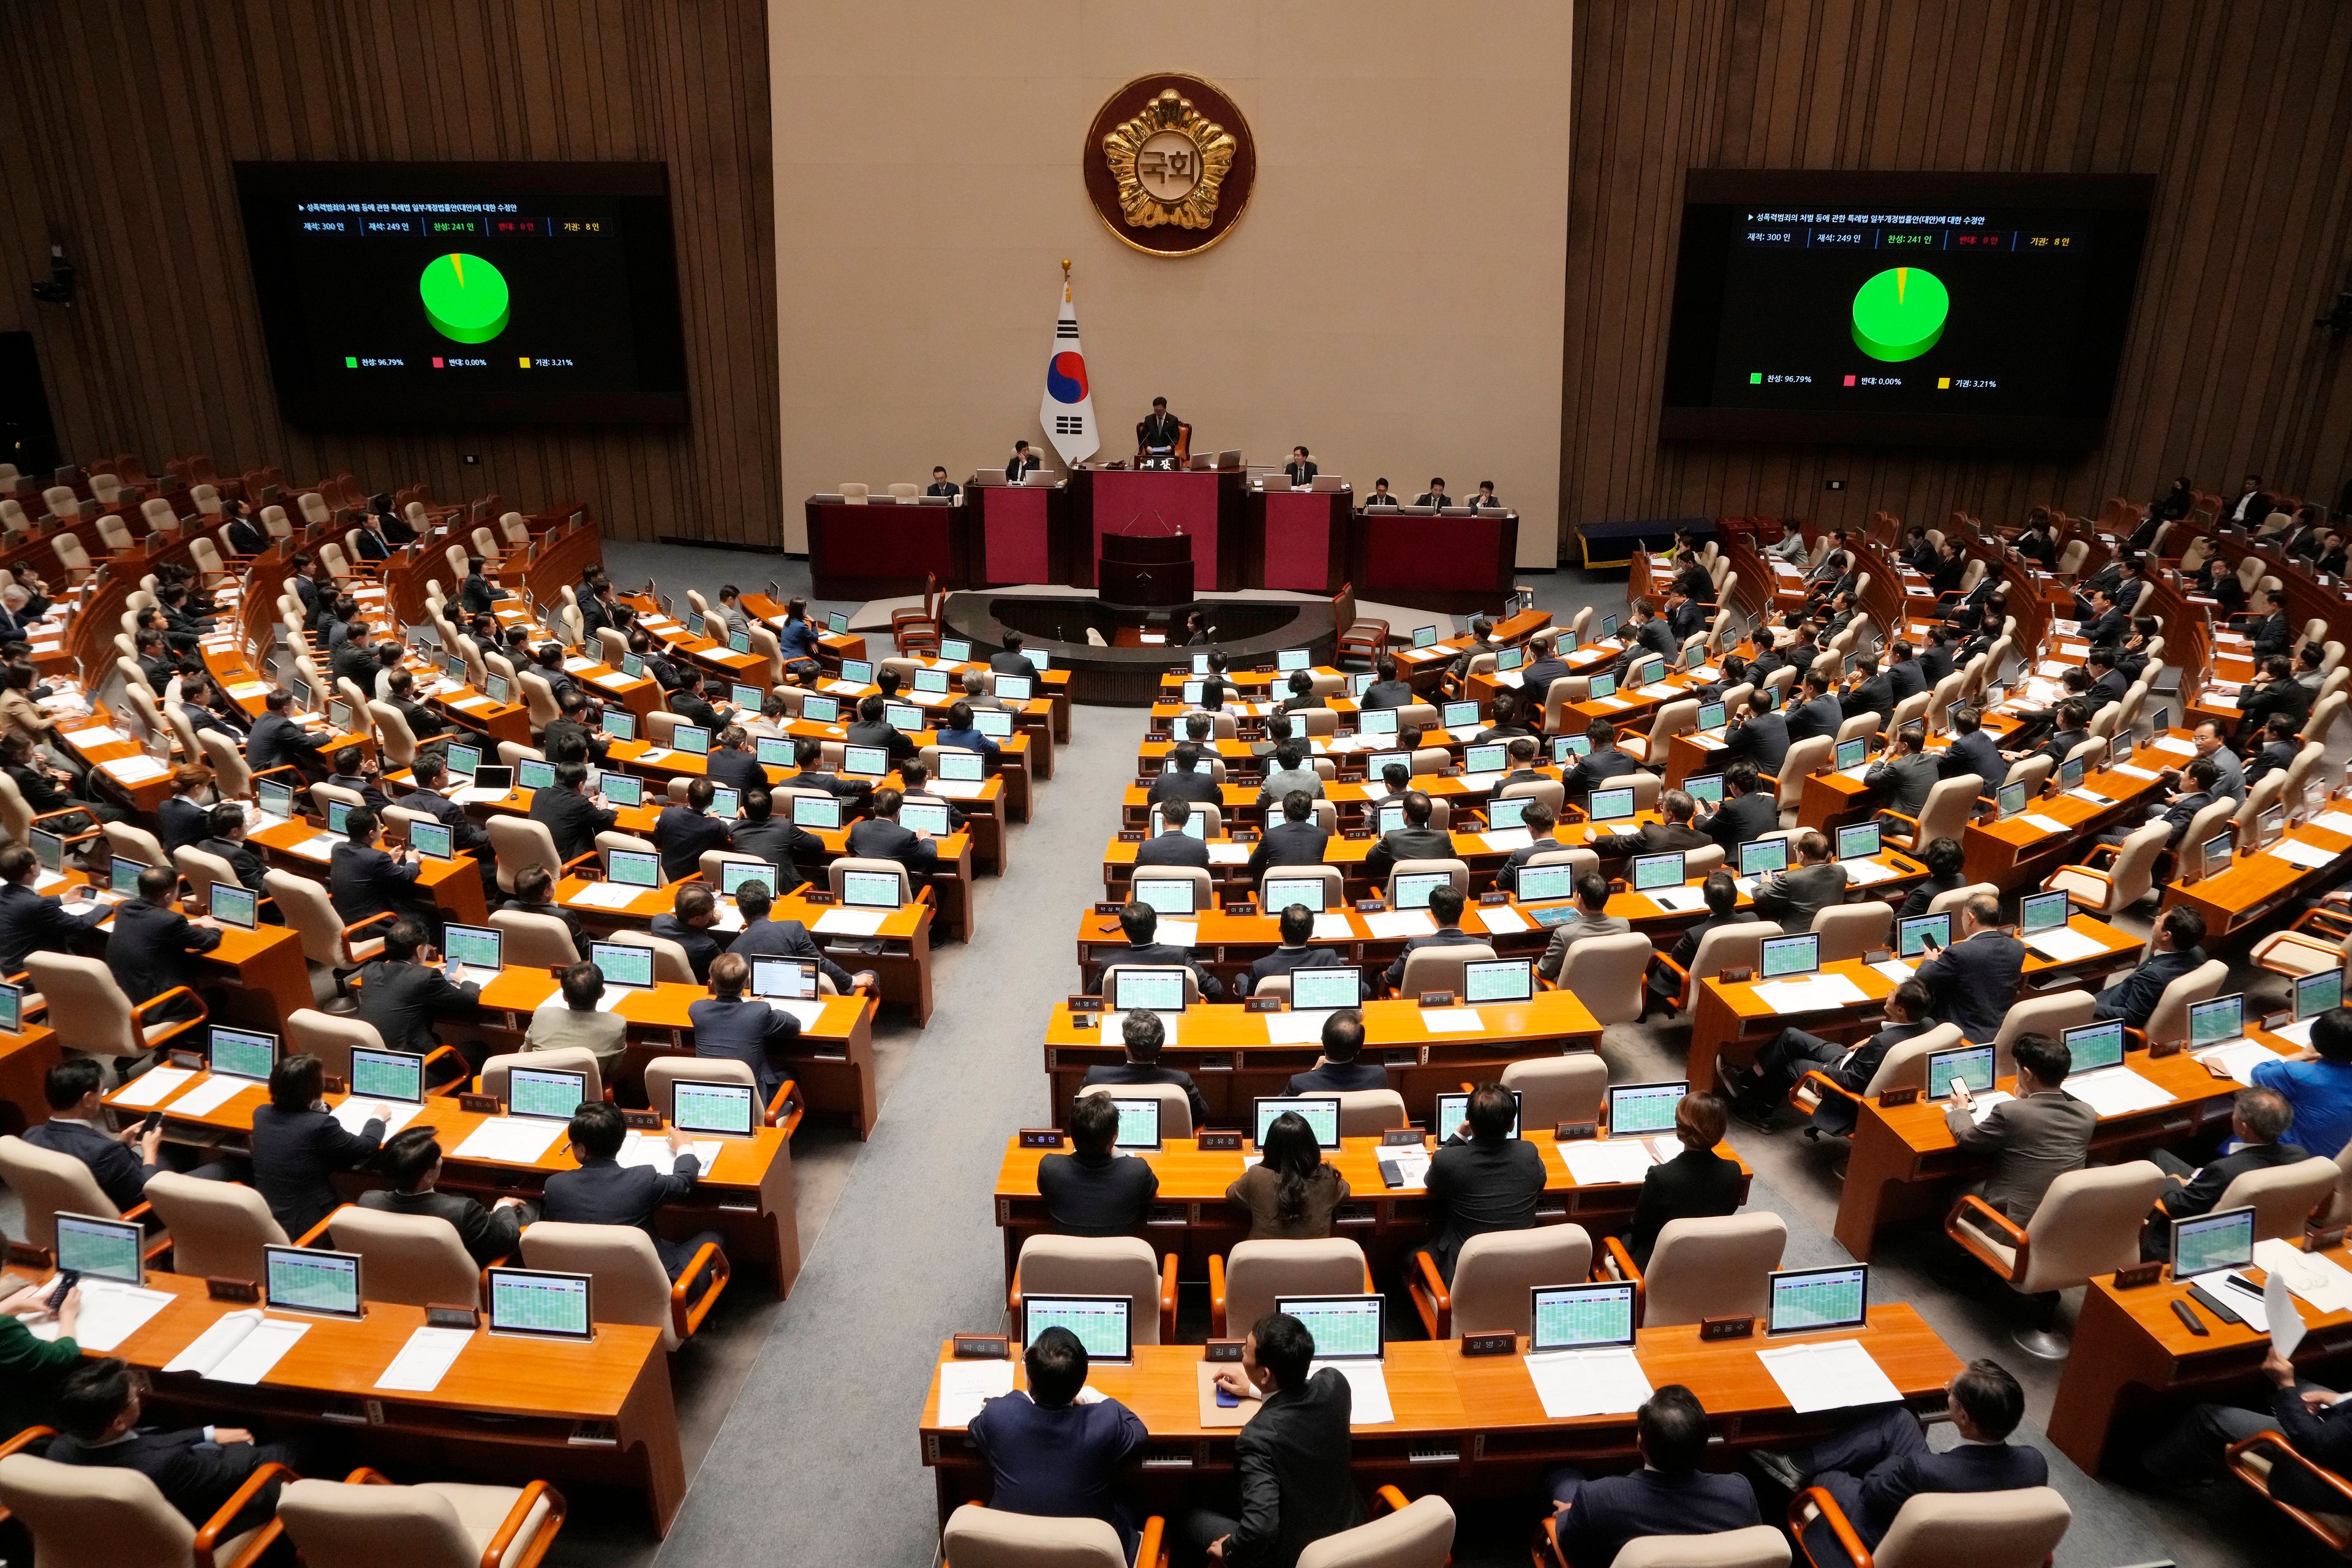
(2129, 877)
(539, 698)
(1852, 931)
(130, 841)
(1369, 1113)
(47, 1183)
(979, 1537)
(327, 941)
(1703, 1268)
(663, 1070)
(1949, 803)
(1493, 1275)
(1244, 1290)
(330, 1038)
(671, 965)
(2312, 945)
(1608, 974)
(1440, 968)
(202, 868)
(1101, 1266)
(1739, 946)
(630, 1285)
(1805, 758)
(1950, 1530)
(563, 1058)
(111, 1516)
(414, 1260)
(2087, 1223)
(1175, 1105)
(1457, 871)
(1417, 1534)
(1951, 898)
(2051, 1016)
(1204, 892)
(519, 843)
(1905, 1066)
(2170, 1021)
(104, 1021)
(1553, 1089)
(535, 942)
(2255, 1459)
(368, 1522)
(218, 1228)
(2282, 1197)
(1757, 1546)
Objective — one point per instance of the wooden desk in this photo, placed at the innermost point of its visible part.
(2254, 885)
(1731, 1019)
(1227, 1050)
(2133, 1366)
(454, 887)
(2015, 854)
(1192, 1218)
(25, 1058)
(1476, 1428)
(510, 1409)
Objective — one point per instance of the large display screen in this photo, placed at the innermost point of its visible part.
(450, 294)
(1915, 308)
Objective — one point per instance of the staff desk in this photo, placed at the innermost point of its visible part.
(1423, 667)
(1192, 1216)
(1230, 1053)
(1905, 1166)
(902, 970)
(511, 1408)
(474, 712)
(2133, 1365)
(748, 669)
(833, 646)
(1262, 681)
(1587, 659)
(25, 1058)
(1354, 750)
(1729, 1018)
(2258, 883)
(1469, 1427)
(746, 1196)
(455, 887)
(1015, 754)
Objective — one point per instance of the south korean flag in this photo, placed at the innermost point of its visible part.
(1068, 409)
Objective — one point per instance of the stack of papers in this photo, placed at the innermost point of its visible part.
(1662, 689)
(2334, 821)
(425, 1359)
(2043, 825)
(1832, 1376)
(208, 1096)
(1333, 928)
(353, 1114)
(2241, 1059)
(2177, 747)
(605, 896)
(1508, 840)
(1501, 919)
(111, 1312)
(1588, 1383)
(472, 796)
(1295, 1028)
(2091, 795)
(651, 1150)
(1411, 1163)
(1368, 1382)
(958, 789)
(149, 1086)
(1480, 782)
(135, 770)
(1229, 854)
(1678, 900)
(575, 664)
(861, 923)
(2064, 944)
(1811, 994)
(1391, 923)
(2117, 1091)
(239, 1348)
(1452, 1020)
(966, 1385)
(1894, 969)
(1606, 1161)
(97, 735)
(1864, 873)
(1980, 1106)
(2128, 771)
(318, 846)
(2308, 856)
(514, 1140)
(2300, 1033)
(2323, 1282)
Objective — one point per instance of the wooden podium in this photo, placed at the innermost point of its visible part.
(1144, 571)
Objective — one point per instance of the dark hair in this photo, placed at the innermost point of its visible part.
(728, 973)
(2186, 925)
(759, 803)
(1138, 921)
(699, 794)
(1289, 1149)
(2047, 1059)
(359, 825)
(1057, 1363)
(1142, 1034)
(571, 776)
(753, 900)
(408, 1155)
(1945, 857)
(2331, 1034)
(1445, 904)
(2264, 1112)
(1297, 924)
(92, 1395)
(294, 1081)
(1671, 1428)
(597, 1126)
(1094, 1124)
(1490, 1112)
(1592, 891)
(64, 1085)
(584, 987)
(1284, 1348)
(156, 883)
(1343, 1036)
(1699, 1120)
(1297, 806)
(1990, 1398)
(1913, 998)
(2203, 772)
(1721, 892)
(533, 884)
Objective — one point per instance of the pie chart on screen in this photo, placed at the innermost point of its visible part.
(1900, 313)
(465, 297)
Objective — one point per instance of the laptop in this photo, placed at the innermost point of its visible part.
(2038, 912)
(1333, 987)
(1581, 1316)
(496, 778)
(540, 1304)
(1913, 934)
(623, 964)
(552, 1094)
(1319, 1111)
(1611, 805)
(1971, 1065)
(1413, 888)
(1806, 1301)
(473, 947)
(2090, 1047)
(248, 1054)
(1861, 841)
(1138, 1123)
(1654, 872)
(397, 1076)
(307, 1280)
(1798, 952)
(2217, 1022)
(1639, 1109)
(1454, 1111)
(633, 868)
(1101, 1322)
(1538, 883)
(784, 979)
(99, 1248)
(729, 1110)
(1760, 855)
(870, 889)
(1281, 892)
(2213, 1242)
(1344, 1328)
(1493, 980)
(1146, 990)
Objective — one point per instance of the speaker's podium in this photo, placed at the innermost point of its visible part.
(1144, 571)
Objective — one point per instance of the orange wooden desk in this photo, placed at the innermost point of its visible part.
(510, 1409)
(2016, 854)
(1192, 1218)
(1227, 1049)
(2133, 1366)
(25, 1058)
(454, 886)
(1475, 1426)
(2257, 883)
(1729, 1018)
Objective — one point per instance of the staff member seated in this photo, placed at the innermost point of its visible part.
(1050, 1455)
(1143, 1035)
(2313, 1420)
(1593, 919)
(2035, 1137)
(1592, 1521)
(1435, 495)
(1341, 1069)
(1489, 1182)
(570, 1020)
(880, 837)
(1416, 840)
(1096, 1191)
(76, 1127)
(1174, 846)
(1297, 840)
(412, 1162)
(197, 1468)
(1290, 1191)
(604, 1191)
(2318, 1083)
(1698, 1183)
(1140, 922)
(2259, 1119)
(1974, 983)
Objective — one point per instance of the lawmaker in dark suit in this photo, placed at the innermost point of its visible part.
(1721, 892)
(1011, 660)
(1973, 983)
(412, 1161)
(1746, 812)
(244, 536)
(2179, 934)
(2035, 1137)
(1818, 712)
(1760, 1091)
(365, 880)
(228, 843)
(31, 922)
(1490, 1182)
(2314, 1424)
(763, 938)
(685, 833)
(1599, 766)
(1872, 692)
(1698, 1183)
(603, 1192)
(1143, 1036)
(1141, 923)
(1186, 780)
(1342, 1067)
(1048, 1454)
(297, 1145)
(693, 914)
(181, 820)
(1675, 832)
(1416, 840)
(402, 996)
(1906, 771)
(572, 819)
(1652, 638)
(777, 840)
(1882, 1461)
(1445, 909)
(1291, 1461)
(880, 837)
(1592, 1521)
(1539, 822)
(2259, 1120)
(534, 894)
(1904, 675)
(1973, 752)
(732, 763)
(197, 1469)
(120, 1163)
(728, 1028)
(1173, 846)
(1297, 840)
(1296, 925)
(1761, 737)
(152, 945)
(1095, 1190)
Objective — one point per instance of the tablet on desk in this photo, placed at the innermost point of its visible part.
(496, 776)
(963, 766)
(1138, 989)
(2091, 1047)
(551, 1094)
(1654, 872)
(12, 1009)
(865, 761)
(1806, 1301)
(462, 761)
(784, 979)
(1454, 1111)
(308, 1280)
(1913, 934)
(473, 947)
(993, 723)
(931, 816)
(1138, 1123)
(1860, 841)
(274, 798)
(1101, 1322)
(1797, 954)
(433, 840)
(618, 789)
(619, 723)
(1412, 889)
(1281, 892)
(691, 739)
(871, 890)
(122, 876)
(1639, 1109)
(1319, 1111)
(99, 1248)
(698, 1105)
(242, 1053)
(2217, 1022)
(1972, 1064)
(2212, 1241)
(339, 815)
(812, 810)
(1498, 980)
(1332, 986)
(1538, 883)
(395, 1076)
(633, 868)
(1344, 1328)
(1581, 1316)
(818, 709)
(623, 964)
(538, 1303)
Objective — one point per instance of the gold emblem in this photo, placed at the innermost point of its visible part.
(1170, 163)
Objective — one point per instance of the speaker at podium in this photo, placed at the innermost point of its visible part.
(1144, 571)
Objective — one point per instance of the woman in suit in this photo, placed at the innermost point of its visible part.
(297, 1145)
(1697, 1184)
(1290, 1192)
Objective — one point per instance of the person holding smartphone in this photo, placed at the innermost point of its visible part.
(2035, 1137)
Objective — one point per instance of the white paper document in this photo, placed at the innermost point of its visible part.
(1369, 1384)
(516, 1140)
(1229, 854)
(1588, 1383)
(135, 770)
(854, 922)
(205, 1352)
(1452, 1020)
(1679, 901)
(1504, 921)
(149, 1086)
(1606, 1161)
(1832, 1376)
(1894, 969)
(2300, 1033)
(2286, 1323)
(1866, 873)
(2323, 1282)
(575, 664)
(1980, 1106)
(651, 754)
(352, 1114)
(1295, 1028)
(958, 789)
(1397, 923)
(209, 1096)
(2310, 857)
(1412, 1164)
(2242, 1295)
(1811, 994)
(1479, 782)
(2334, 821)
(425, 1359)
(966, 1385)
(2117, 1091)
(2179, 748)
(96, 735)
(319, 845)
(2045, 824)
(604, 896)
(2239, 1061)
(2128, 771)
(1333, 928)
(1508, 839)
(253, 1357)
(1177, 932)
(651, 1150)
(2065, 945)
(111, 1312)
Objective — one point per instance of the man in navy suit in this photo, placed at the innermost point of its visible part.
(1973, 752)
(1173, 846)
(2180, 931)
(1882, 1461)
(366, 881)
(1598, 766)
(1592, 1521)
(1297, 840)
(1819, 712)
(1974, 981)
(196, 1468)
(1144, 1035)
(603, 1192)
(765, 938)
(1047, 1453)
(1296, 924)
(684, 833)
(2317, 1427)
(76, 1127)
(1140, 922)
(1761, 736)
(727, 1027)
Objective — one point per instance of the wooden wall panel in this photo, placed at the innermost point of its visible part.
(117, 132)
(2241, 108)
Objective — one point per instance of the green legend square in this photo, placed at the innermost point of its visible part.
(1755, 378)
(351, 362)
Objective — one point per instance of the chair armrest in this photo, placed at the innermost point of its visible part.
(1813, 1504)
(1168, 1299)
(175, 1029)
(217, 1526)
(579, 863)
(19, 1443)
(366, 1475)
(687, 1316)
(1617, 1263)
(1368, 1290)
(1772, 779)
(786, 1109)
(312, 1237)
(1976, 1208)
(387, 918)
(1217, 1295)
(2284, 1451)
(1430, 1289)
(1395, 1501)
(1152, 1551)
(495, 1555)
(1827, 1086)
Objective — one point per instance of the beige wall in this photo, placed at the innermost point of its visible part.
(1392, 297)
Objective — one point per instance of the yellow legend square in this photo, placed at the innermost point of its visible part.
(1943, 384)
(524, 360)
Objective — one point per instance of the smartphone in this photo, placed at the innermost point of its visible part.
(1227, 1401)
(67, 1280)
(149, 1123)
(1959, 1087)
